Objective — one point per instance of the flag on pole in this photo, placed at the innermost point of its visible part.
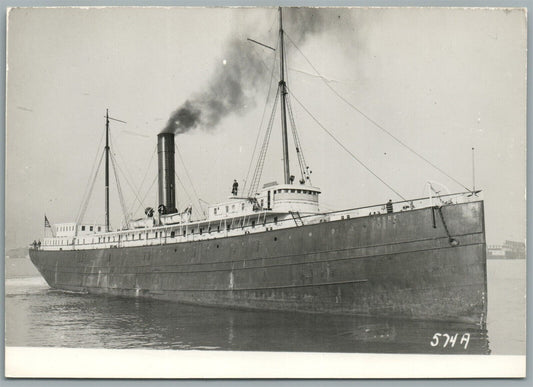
(46, 222)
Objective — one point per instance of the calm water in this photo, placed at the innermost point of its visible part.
(39, 316)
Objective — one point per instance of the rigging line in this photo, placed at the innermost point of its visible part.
(314, 75)
(147, 192)
(127, 175)
(135, 191)
(343, 147)
(295, 138)
(262, 119)
(189, 177)
(90, 174)
(264, 147)
(144, 177)
(86, 203)
(299, 150)
(119, 189)
(374, 122)
(184, 189)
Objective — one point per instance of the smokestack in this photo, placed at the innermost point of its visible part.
(165, 157)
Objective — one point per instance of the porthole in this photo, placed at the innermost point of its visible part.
(275, 238)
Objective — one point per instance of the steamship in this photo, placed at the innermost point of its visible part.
(274, 249)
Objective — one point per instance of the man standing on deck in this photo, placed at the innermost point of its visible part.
(389, 206)
(235, 188)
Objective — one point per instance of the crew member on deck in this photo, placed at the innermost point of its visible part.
(235, 188)
(389, 206)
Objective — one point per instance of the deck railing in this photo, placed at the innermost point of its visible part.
(221, 228)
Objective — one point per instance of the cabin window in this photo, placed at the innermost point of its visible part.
(192, 231)
(99, 228)
(82, 228)
(214, 211)
(156, 234)
(293, 190)
(172, 234)
(253, 223)
(228, 227)
(201, 231)
(209, 230)
(91, 228)
(275, 220)
(233, 207)
(184, 232)
(299, 191)
(227, 209)
(242, 206)
(218, 228)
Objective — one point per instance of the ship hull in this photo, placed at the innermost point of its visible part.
(400, 265)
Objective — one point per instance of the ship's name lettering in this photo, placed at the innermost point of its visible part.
(449, 340)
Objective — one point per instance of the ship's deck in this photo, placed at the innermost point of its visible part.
(260, 221)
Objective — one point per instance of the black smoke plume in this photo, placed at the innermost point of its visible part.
(233, 84)
(229, 89)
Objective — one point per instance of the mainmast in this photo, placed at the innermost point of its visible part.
(283, 92)
(106, 170)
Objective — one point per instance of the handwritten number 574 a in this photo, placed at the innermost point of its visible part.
(446, 340)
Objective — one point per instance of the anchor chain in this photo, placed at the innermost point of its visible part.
(453, 242)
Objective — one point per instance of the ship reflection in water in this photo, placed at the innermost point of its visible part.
(39, 316)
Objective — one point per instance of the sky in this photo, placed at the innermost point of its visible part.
(443, 81)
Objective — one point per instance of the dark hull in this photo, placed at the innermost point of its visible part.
(400, 265)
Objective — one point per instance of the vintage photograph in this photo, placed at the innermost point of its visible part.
(281, 180)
